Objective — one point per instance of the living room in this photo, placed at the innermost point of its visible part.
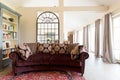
(81, 18)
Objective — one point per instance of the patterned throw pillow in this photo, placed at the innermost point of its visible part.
(70, 47)
(59, 48)
(75, 53)
(24, 51)
(43, 48)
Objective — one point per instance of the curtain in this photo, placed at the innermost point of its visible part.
(97, 38)
(101, 37)
(85, 38)
(75, 37)
(116, 39)
(107, 40)
(91, 35)
(81, 37)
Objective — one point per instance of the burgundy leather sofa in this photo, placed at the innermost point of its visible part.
(40, 61)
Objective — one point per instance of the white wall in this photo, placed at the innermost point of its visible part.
(115, 7)
(29, 16)
(28, 23)
(7, 4)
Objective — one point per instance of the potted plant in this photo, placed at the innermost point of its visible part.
(48, 40)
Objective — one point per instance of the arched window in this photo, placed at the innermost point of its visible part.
(48, 28)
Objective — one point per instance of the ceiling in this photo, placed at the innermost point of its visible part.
(72, 19)
(39, 3)
(76, 20)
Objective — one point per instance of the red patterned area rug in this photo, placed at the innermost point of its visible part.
(44, 75)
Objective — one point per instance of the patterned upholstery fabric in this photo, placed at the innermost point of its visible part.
(70, 47)
(23, 51)
(43, 48)
(75, 52)
(55, 48)
(59, 49)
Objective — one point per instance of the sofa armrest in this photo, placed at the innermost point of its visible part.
(83, 55)
(14, 56)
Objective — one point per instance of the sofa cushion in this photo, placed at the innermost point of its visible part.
(28, 63)
(23, 51)
(39, 57)
(33, 47)
(59, 49)
(35, 59)
(64, 60)
(43, 48)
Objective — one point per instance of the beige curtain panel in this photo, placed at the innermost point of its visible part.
(97, 38)
(107, 40)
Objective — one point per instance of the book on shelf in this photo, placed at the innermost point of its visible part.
(6, 44)
(7, 27)
(4, 18)
(5, 54)
(4, 26)
(11, 27)
(6, 35)
(9, 35)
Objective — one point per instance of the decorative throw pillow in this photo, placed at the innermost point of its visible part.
(70, 47)
(59, 48)
(75, 53)
(24, 51)
(43, 48)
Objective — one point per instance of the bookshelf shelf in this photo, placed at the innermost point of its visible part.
(9, 33)
(9, 22)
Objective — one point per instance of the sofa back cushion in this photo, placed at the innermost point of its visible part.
(43, 48)
(55, 48)
(33, 47)
(59, 48)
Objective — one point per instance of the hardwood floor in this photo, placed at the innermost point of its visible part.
(96, 69)
(6, 71)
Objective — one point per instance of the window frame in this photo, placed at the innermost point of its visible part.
(47, 18)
